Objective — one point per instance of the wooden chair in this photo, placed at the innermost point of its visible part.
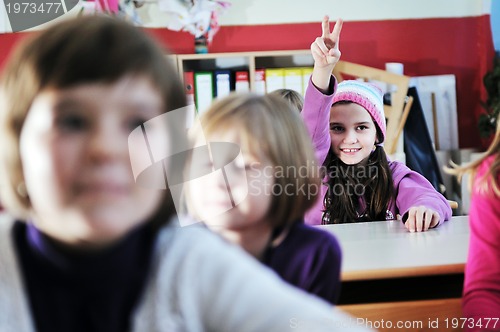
(423, 315)
(397, 112)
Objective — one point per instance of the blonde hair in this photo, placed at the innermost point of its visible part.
(268, 129)
(483, 183)
(294, 98)
(88, 49)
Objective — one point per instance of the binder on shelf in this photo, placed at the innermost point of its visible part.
(306, 76)
(204, 91)
(189, 90)
(274, 79)
(189, 86)
(260, 81)
(242, 83)
(293, 79)
(222, 83)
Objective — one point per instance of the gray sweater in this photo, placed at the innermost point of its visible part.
(197, 283)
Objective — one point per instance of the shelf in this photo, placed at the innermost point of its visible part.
(195, 69)
(244, 61)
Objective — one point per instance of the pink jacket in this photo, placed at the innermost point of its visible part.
(412, 189)
(481, 295)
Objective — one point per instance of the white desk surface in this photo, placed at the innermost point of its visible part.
(385, 249)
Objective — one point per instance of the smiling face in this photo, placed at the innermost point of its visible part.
(353, 132)
(76, 165)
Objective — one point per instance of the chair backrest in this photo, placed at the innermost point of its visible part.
(453, 204)
(393, 112)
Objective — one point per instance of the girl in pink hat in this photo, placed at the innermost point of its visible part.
(347, 125)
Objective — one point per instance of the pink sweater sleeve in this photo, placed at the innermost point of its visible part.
(413, 189)
(316, 115)
(481, 295)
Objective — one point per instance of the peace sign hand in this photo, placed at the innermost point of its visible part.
(325, 49)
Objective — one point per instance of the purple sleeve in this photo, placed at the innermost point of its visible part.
(413, 189)
(316, 115)
(324, 277)
(481, 296)
(310, 259)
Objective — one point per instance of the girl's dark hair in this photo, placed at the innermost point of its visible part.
(350, 186)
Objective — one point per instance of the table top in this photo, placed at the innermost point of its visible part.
(385, 249)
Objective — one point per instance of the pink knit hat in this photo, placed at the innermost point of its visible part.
(367, 95)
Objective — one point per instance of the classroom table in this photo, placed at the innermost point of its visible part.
(386, 249)
(391, 274)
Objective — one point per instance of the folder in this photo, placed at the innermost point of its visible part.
(189, 86)
(293, 79)
(242, 83)
(260, 81)
(222, 83)
(204, 90)
(274, 79)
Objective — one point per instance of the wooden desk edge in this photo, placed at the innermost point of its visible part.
(402, 272)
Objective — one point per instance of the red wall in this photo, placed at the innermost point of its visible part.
(459, 46)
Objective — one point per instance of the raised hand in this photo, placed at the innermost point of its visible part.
(326, 53)
(325, 49)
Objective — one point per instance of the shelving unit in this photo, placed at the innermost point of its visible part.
(244, 61)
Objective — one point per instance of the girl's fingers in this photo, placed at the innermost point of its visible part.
(325, 26)
(419, 216)
(422, 218)
(316, 51)
(319, 47)
(435, 219)
(333, 57)
(336, 32)
(412, 225)
(411, 220)
(428, 219)
(322, 47)
(334, 53)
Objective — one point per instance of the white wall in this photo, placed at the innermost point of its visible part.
(254, 12)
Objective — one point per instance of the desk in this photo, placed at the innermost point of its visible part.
(385, 249)
(393, 275)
